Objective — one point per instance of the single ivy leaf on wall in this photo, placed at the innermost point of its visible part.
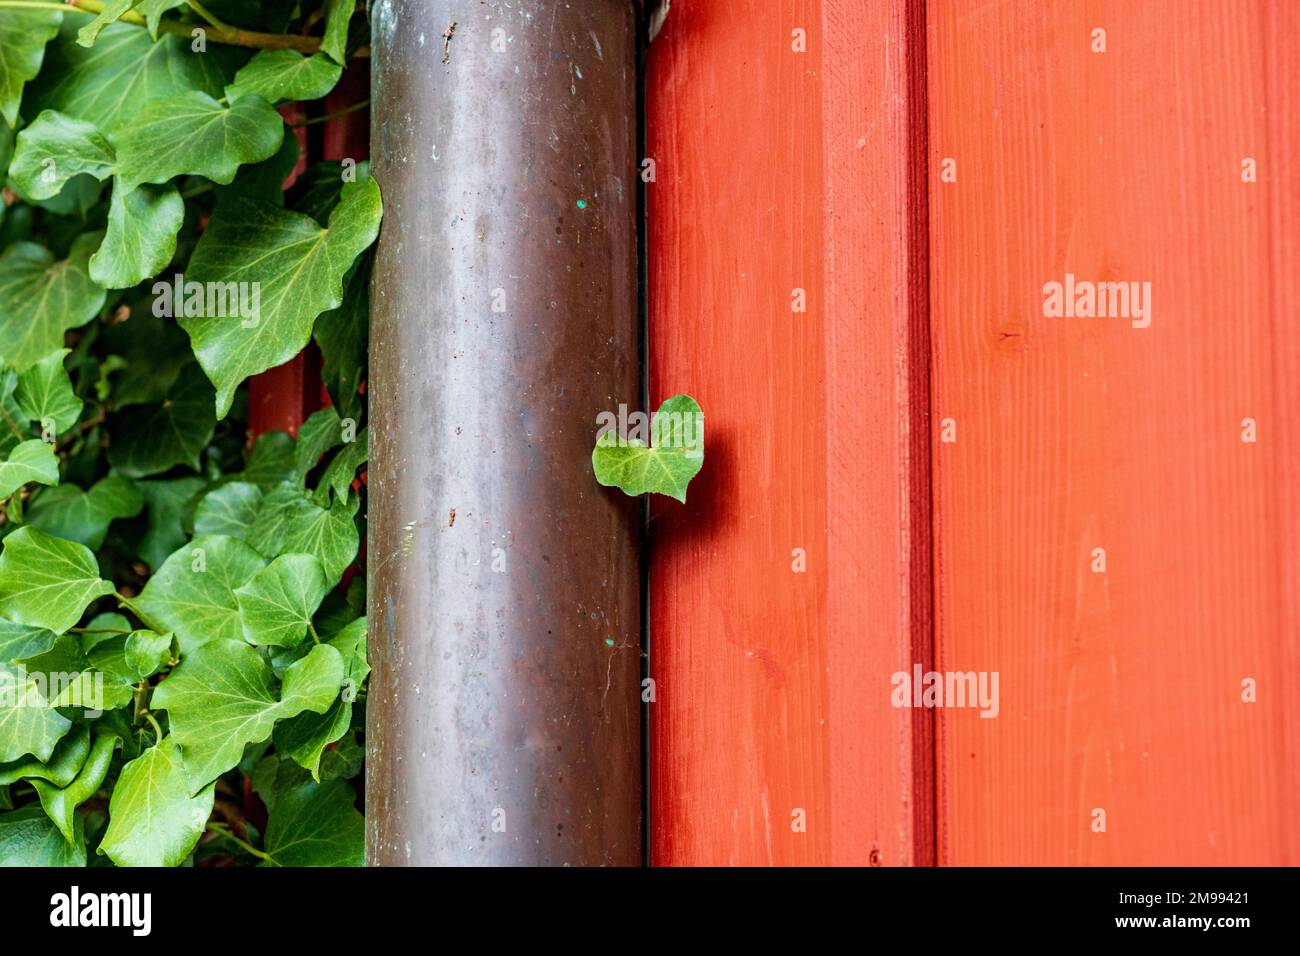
(152, 818)
(277, 75)
(298, 269)
(54, 149)
(46, 581)
(23, 35)
(193, 593)
(674, 456)
(222, 696)
(41, 298)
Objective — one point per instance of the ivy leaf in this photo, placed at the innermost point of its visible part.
(193, 134)
(166, 502)
(84, 516)
(222, 696)
(106, 85)
(318, 434)
(316, 824)
(61, 803)
(193, 593)
(288, 521)
(229, 510)
(141, 236)
(152, 819)
(112, 12)
(60, 770)
(277, 604)
(154, 438)
(338, 14)
(28, 838)
(23, 35)
(45, 393)
(13, 430)
(28, 725)
(675, 455)
(21, 641)
(145, 653)
(46, 581)
(152, 11)
(271, 461)
(277, 75)
(40, 298)
(305, 737)
(341, 335)
(53, 150)
(298, 268)
(33, 460)
(340, 472)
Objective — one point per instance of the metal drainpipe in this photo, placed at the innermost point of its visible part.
(504, 710)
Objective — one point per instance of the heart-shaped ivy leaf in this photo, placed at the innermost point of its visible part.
(667, 465)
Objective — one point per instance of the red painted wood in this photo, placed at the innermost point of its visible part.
(1120, 691)
(778, 170)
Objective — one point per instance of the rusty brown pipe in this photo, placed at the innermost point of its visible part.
(504, 721)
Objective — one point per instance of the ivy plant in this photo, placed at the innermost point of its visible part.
(665, 463)
(182, 629)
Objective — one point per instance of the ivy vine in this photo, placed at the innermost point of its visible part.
(182, 630)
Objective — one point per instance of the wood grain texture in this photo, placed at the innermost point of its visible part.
(775, 171)
(1118, 690)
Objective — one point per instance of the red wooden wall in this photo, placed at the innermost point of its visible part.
(819, 170)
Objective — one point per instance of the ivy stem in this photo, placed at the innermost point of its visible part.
(222, 830)
(325, 119)
(314, 636)
(157, 731)
(144, 618)
(199, 9)
(31, 5)
(99, 630)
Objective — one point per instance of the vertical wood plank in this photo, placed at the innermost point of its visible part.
(1121, 690)
(779, 170)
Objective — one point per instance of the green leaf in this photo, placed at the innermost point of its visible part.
(153, 438)
(152, 819)
(46, 581)
(166, 502)
(107, 84)
(341, 334)
(298, 268)
(45, 393)
(40, 298)
(338, 476)
(277, 604)
(23, 35)
(316, 824)
(338, 14)
(61, 803)
(84, 516)
(33, 460)
(152, 11)
(288, 521)
(229, 510)
(222, 696)
(53, 150)
(28, 838)
(28, 725)
(146, 653)
(112, 12)
(271, 461)
(305, 737)
(318, 434)
(277, 75)
(14, 429)
(20, 641)
(193, 593)
(60, 770)
(141, 237)
(675, 455)
(193, 134)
